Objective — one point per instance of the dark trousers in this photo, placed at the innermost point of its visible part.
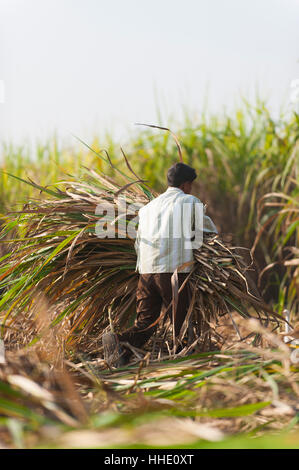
(154, 291)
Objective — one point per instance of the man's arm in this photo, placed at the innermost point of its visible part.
(208, 224)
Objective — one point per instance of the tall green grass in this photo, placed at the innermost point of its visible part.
(239, 159)
(45, 164)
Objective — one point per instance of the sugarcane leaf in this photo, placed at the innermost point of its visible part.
(35, 185)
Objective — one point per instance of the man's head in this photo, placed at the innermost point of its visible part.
(181, 176)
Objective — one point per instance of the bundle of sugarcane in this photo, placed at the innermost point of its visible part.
(55, 251)
(89, 283)
(221, 283)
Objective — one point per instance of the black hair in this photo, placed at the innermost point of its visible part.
(179, 173)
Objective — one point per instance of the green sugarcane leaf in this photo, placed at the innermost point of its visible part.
(37, 186)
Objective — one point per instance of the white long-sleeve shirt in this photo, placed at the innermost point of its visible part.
(165, 230)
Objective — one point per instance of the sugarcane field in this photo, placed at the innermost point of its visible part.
(149, 283)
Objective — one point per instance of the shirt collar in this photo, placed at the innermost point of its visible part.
(173, 188)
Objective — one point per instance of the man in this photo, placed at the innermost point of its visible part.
(167, 226)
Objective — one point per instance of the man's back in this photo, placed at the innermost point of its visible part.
(165, 228)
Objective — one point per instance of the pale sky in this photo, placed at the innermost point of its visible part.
(84, 66)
